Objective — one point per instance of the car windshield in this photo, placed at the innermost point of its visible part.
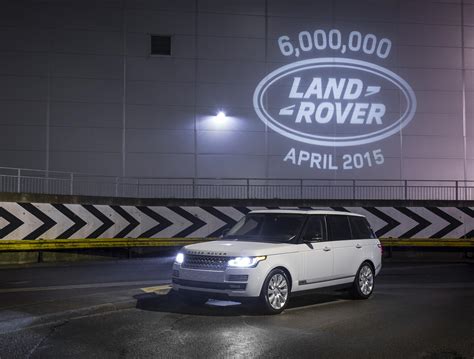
(267, 227)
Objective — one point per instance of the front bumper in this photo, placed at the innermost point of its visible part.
(231, 282)
(210, 285)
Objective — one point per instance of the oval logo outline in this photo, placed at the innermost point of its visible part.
(332, 62)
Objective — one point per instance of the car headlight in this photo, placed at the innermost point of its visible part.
(245, 262)
(179, 258)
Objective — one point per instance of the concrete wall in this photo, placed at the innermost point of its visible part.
(80, 92)
(49, 221)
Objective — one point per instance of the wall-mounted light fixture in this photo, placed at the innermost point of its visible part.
(221, 116)
(218, 120)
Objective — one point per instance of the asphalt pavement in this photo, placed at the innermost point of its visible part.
(122, 309)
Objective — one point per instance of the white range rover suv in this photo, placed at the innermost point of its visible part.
(272, 254)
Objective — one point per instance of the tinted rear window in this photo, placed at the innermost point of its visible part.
(338, 228)
(360, 228)
(315, 229)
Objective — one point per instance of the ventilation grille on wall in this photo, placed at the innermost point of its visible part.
(160, 45)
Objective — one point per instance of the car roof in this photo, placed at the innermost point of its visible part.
(306, 211)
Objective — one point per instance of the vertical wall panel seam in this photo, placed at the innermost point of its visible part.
(266, 134)
(196, 57)
(463, 91)
(48, 102)
(333, 21)
(402, 174)
(124, 95)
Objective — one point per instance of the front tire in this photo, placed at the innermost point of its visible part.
(275, 292)
(364, 281)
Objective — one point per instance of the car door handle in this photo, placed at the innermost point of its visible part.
(358, 245)
(326, 249)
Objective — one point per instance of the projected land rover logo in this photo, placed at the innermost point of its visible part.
(334, 101)
(320, 100)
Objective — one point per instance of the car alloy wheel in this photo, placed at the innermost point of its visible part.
(275, 292)
(364, 282)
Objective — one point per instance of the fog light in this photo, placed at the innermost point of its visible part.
(238, 286)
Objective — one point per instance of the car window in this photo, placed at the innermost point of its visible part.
(315, 229)
(267, 227)
(360, 228)
(338, 228)
(249, 226)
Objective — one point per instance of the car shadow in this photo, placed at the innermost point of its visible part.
(171, 303)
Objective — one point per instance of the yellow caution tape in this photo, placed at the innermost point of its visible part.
(53, 244)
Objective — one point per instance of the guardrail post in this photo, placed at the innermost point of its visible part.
(71, 183)
(116, 186)
(301, 188)
(353, 189)
(406, 189)
(39, 259)
(248, 188)
(194, 187)
(18, 182)
(457, 188)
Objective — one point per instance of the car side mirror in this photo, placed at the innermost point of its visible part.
(224, 232)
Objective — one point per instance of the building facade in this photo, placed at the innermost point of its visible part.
(330, 89)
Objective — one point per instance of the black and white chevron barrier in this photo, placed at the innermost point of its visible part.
(51, 221)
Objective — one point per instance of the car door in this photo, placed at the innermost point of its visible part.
(363, 237)
(317, 252)
(346, 253)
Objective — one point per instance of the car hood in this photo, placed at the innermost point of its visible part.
(239, 248)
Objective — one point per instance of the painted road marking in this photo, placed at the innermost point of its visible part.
(82, 286)
(160, 289)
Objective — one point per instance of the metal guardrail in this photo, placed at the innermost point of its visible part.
(58, 244)
(16, 180)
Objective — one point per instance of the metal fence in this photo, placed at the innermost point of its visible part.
(17, 180)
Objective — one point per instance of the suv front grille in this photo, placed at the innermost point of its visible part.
(193, 261)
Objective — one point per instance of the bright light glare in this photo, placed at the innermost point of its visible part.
(220, 116)
(179, 258)
(222, 303)
(245, 262)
